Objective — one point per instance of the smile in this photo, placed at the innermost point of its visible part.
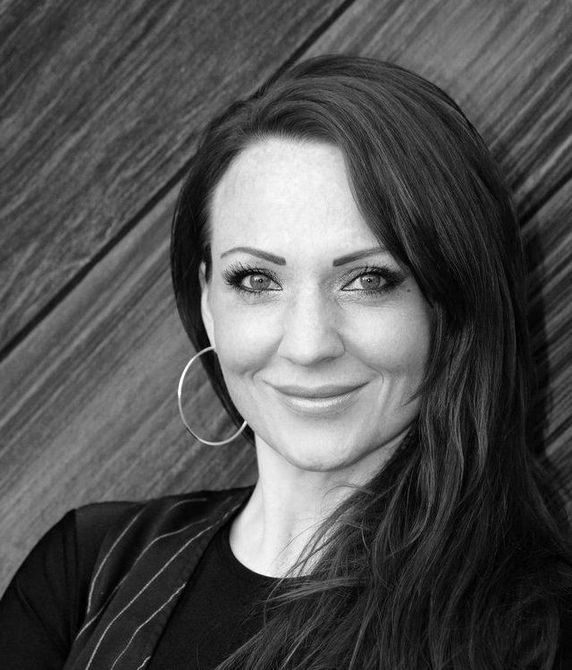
(319, 401)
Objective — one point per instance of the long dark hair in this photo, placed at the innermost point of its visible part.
(449, 557)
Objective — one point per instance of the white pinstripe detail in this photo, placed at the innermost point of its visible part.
(88, 623)
(105, 558)
(146, 586)
(173, 595)
(144, 663)
(120, 582)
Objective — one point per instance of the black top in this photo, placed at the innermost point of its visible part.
(220, 607)
(141, 585)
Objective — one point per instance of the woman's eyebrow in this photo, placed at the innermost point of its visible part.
(348, 258)
(257, 252)
(279, 260)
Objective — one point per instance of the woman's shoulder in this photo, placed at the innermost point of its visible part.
(97, 526)
(101, 517)
(45, 604)
(79, 536)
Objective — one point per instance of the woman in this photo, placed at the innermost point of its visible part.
(346, 262)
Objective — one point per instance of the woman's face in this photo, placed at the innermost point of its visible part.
(321, 336)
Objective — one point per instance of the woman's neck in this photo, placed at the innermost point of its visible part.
(276, 524)
(286, 508)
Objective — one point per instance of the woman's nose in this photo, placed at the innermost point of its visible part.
(310, 332)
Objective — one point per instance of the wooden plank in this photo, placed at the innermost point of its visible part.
(90, 399)
(101, 102)
(548, 240)
(508, 64)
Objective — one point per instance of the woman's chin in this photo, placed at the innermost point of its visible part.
(324, 454)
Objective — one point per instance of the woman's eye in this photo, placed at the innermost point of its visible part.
(257, 282)
(367, 282)
(250, 279)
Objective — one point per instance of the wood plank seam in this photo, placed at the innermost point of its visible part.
(176, 177)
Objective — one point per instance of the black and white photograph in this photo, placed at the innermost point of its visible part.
(286, 335)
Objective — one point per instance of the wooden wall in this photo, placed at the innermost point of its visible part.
(100, 106)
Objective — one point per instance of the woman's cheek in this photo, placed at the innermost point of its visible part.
(245, 337)
(395, 341)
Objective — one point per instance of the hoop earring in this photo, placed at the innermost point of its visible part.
(179, 393)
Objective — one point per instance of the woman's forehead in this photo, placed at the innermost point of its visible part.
(279, 168)
(284, 192)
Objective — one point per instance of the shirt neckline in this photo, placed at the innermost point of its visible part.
(230, 562)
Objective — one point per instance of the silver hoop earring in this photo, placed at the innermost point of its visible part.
(179, 393)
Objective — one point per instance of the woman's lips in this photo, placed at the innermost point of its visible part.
(318, 401)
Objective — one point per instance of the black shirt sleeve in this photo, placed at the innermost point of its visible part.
(38, 612)
(43, 607)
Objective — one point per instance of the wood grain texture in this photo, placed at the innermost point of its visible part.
(508, 65)
(548, 242)
(88, 397)
(100, 106)
(91, 399)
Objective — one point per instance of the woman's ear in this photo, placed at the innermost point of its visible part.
(205, 304)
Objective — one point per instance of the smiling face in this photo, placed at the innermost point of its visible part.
(321, 335)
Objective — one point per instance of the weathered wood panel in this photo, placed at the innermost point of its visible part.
(89, 398)
(547, 236)
(100, 104)
(508, 64)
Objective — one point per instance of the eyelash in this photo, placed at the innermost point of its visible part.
(235, 274)
(392, 279)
